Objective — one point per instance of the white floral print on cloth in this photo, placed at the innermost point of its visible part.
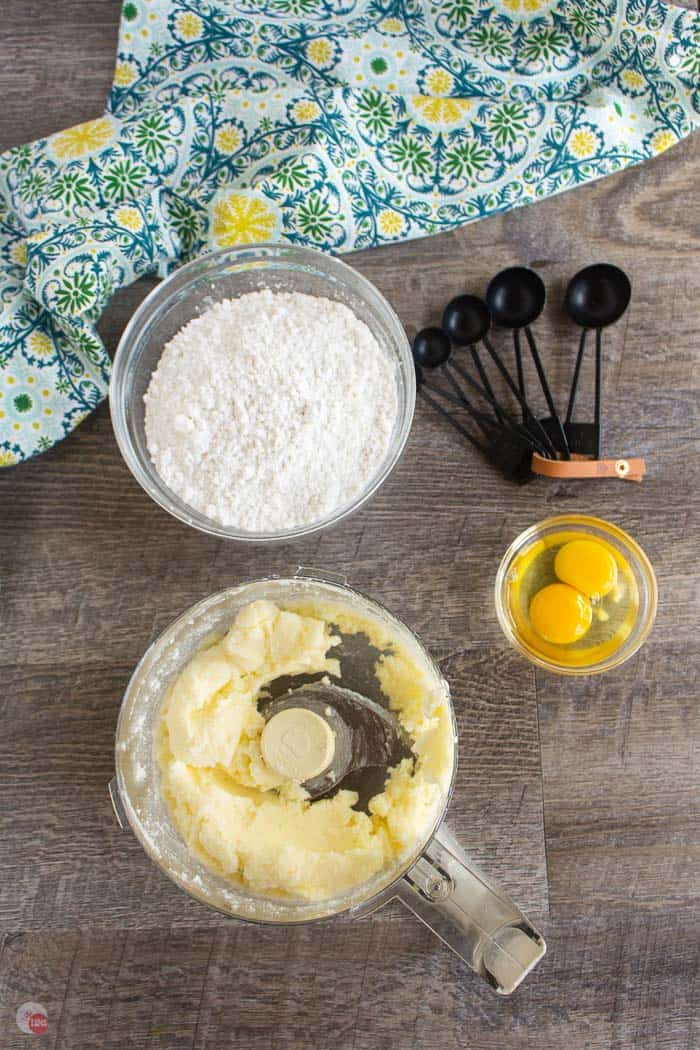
(336, 125)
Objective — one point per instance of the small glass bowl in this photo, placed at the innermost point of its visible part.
(226, 274)
(590, 528)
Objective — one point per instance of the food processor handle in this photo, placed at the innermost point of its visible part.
(471, 915)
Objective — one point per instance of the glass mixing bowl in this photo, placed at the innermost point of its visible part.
(433, 879)
(226, 274)
(584, 527)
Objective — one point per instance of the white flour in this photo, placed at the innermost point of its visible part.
(271, 410)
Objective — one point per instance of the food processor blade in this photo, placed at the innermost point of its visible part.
(368, 740)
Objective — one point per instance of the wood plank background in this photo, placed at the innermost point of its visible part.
(581, 796)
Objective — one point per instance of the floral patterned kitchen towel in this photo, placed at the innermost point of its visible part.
(336, 123)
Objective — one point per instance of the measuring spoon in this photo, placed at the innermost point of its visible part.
(515, 298)
(595, 298)
(471, 320)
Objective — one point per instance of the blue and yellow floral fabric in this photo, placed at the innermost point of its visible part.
(336, 123)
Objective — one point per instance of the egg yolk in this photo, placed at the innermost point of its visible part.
(560, 614)
(588, 566)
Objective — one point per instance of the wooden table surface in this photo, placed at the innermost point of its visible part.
(581, 796)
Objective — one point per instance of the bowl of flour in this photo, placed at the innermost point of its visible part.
(263, 393)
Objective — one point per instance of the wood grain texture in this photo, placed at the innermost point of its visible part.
(581, 797)
(359, 985)
(621, 776)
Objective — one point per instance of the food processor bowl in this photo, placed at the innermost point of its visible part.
(433, 878)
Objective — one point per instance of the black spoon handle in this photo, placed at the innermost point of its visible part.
(491, 397)
(446, 415)
(476, 386)
(519, 365)
(598, 354)
(547, 392)
(577, 372)
(481, 418)
(521, 400)
(465, 402)
(507, 420)
(447, 394)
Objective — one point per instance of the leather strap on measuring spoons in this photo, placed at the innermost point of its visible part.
(625, 469)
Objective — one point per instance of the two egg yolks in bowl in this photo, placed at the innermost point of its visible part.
(573, 599)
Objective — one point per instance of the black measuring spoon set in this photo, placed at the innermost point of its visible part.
(461, 354)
